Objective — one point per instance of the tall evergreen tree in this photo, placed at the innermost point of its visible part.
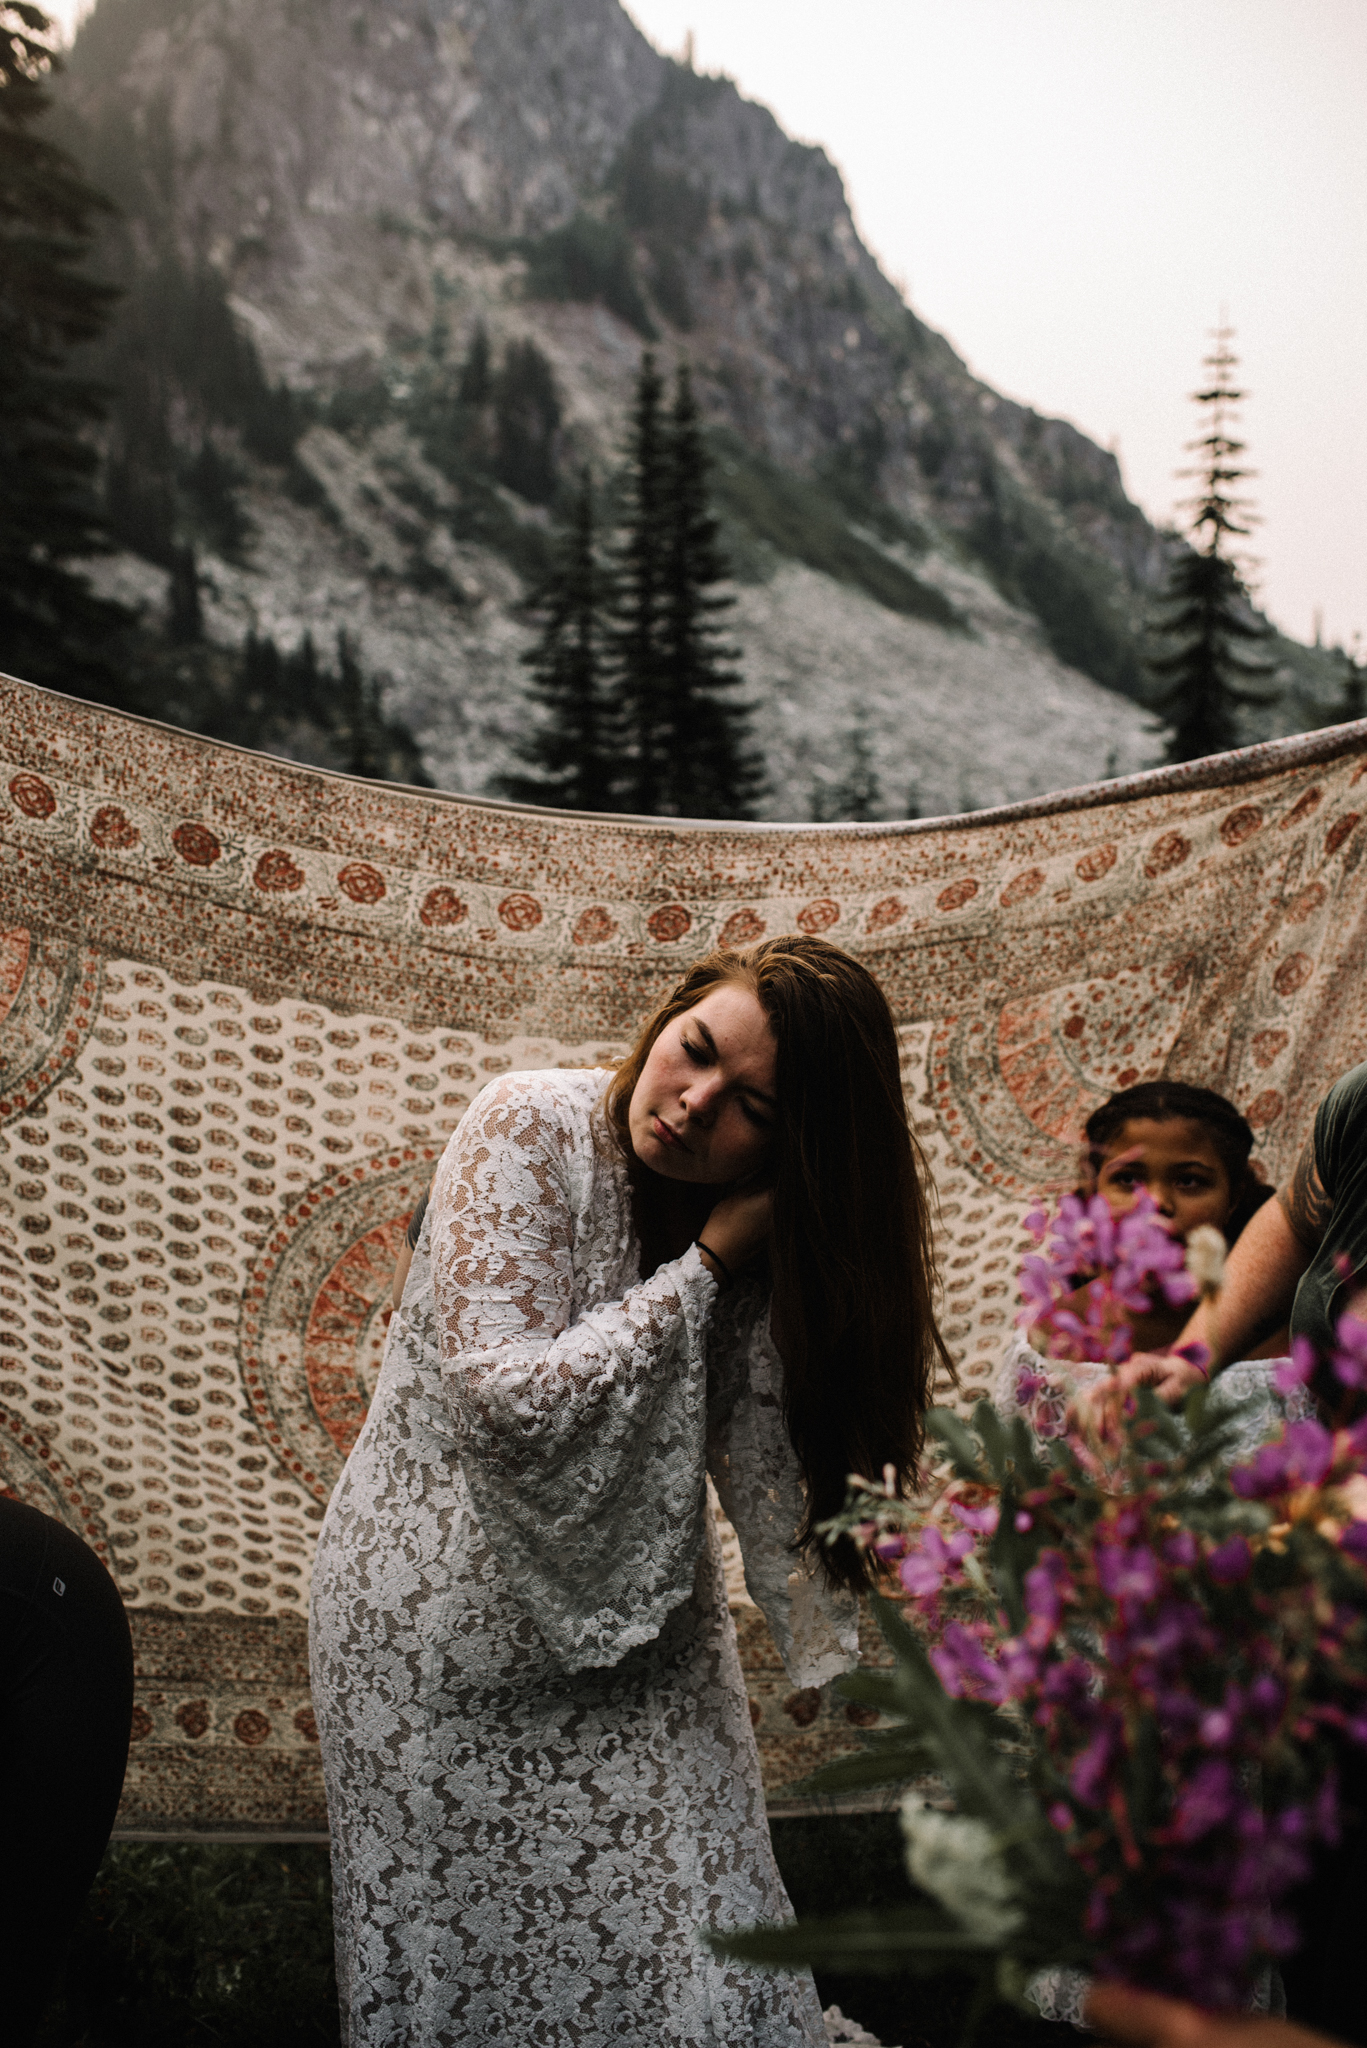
(856, 797)
(1210, 624)
(636, 632)
(52, 630)
(708, 768)
(1352, 705)
(685, 740)
(569, 758)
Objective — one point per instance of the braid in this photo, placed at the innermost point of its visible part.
(1230, 1133)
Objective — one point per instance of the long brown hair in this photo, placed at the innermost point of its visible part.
(850, 1249)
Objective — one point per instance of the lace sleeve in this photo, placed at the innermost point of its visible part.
(580, 1419)
(753, 1466)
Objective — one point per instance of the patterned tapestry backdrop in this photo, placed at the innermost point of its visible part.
(244, 1003)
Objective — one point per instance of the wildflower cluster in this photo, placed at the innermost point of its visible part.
(1090, 1273)
(1171, 1649)
(1134, 1664)
(1118, 1264)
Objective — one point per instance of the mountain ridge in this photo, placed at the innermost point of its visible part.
(371, 194)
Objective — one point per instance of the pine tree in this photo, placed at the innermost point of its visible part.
(708, 769)
(356, 713)
(856, 798)
(1211, 622)
(637, 629)
(52, 629)
(569, 757)
(1352, 705)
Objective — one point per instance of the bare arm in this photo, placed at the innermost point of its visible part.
(1260, 1285)
(1138, 2019)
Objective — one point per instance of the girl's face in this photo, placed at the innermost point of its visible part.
(1178, 1165)
(703, 1109)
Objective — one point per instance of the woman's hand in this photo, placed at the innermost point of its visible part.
(738, 1228)
(1139, 2019)
(1171, 1377)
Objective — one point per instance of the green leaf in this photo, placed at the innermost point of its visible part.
(916, 1937)
(983, 1782)
(868, 1688)
(992, 1434)
(1012, 1552)
(867, 1767)
(958, 1440)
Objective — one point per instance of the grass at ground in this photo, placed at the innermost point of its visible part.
(834, 1864)
(203, 1945)
(200, 1945)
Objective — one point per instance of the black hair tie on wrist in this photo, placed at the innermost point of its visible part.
(717, 1260)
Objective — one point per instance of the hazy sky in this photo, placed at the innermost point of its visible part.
(1072, 189)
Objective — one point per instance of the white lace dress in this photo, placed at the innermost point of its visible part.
(541, 1774)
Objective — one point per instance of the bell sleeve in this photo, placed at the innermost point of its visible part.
(581, 1435)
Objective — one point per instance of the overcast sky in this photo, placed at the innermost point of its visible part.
(1072, 189)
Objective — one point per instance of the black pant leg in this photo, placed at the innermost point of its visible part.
(66, 1703)
(1326, 1982)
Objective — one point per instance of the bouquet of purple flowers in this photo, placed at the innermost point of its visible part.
(1131, 1663)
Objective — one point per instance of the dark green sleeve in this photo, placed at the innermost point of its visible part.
(1341, 1130)
(1341, 1163)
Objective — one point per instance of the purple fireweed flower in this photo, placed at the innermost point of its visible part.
(1161, 1635)
(1147, 1253)
(1206, 1800)
(983, 1520)
(1181, 1550)
(923, 1571)
(1266, 1697)
(1044, 1587)
(1299, 1457)
(1350, 1354)
(1061, 1817)
(1354, 1541)
(1324, 1812)
(1298, 1370)
(961, 1662)
(1177, 1711)
(1090, 1769)
(1217, 1728)
(1068, 1687)
(1127, 1573)
(1230, 1562)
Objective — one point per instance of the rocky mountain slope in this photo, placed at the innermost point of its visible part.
(936, 586)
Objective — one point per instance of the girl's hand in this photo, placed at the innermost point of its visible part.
(1172, 1379)
(738, 1228)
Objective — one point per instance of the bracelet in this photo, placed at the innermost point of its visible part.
(717, 1260)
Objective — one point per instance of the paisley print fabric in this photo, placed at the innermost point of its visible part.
(541, 1774)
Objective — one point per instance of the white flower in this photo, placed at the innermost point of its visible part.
(1206, 1259)
(956, 1859)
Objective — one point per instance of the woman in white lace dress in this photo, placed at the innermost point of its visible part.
(541, 1773)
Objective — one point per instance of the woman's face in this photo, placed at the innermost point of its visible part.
(1178, 1165)
(703, 1109)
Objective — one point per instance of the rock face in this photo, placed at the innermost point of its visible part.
(925, 569)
